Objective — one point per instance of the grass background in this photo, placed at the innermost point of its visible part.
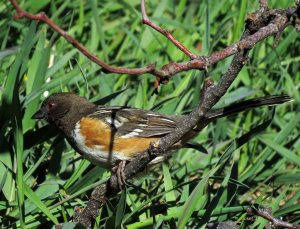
(42, 179)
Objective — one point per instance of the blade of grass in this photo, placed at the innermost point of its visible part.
(191, 203)
(284, 152)
(251, 170)
(189, 206)
(216, 212)
(18, 145)
(121, 207)
(170, 196)
(36, 200)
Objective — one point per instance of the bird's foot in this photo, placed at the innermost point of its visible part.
(119, 171)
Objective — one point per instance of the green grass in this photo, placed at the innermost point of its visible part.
(251, 159)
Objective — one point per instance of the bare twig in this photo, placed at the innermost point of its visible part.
(106, 67)
(172, 68)
(165, 32)
(267, 214)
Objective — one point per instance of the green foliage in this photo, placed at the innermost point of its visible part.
(42, 179)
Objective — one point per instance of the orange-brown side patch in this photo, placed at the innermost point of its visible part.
(97, 133)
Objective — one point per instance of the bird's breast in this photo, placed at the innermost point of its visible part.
(97, 143)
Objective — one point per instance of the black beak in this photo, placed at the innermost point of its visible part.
(39, 115)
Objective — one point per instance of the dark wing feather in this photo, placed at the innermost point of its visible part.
(132, 122)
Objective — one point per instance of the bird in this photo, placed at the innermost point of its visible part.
(110, 136)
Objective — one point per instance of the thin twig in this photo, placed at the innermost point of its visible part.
(106, 67)
(172, 68)
(267, 214)
(165, 32)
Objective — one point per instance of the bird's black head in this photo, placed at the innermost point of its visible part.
(60, 105)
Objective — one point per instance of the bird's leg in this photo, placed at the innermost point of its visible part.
(120, 174)
(119, 170)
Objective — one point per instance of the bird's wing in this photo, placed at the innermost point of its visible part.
(131, 122)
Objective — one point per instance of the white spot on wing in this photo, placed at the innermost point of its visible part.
(130, 135)
(103, 111)
(161, 118)
(167, 120)
(142, 125)
(122, 119)
(152, 114)
(134, 133)
(114, 122)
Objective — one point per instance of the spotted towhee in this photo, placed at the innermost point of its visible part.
(108, 135)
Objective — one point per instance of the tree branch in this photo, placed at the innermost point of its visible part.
(165, 32)
(105, 191)
(267, 214)
(279, 23)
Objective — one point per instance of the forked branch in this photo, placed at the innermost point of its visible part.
(281, 19)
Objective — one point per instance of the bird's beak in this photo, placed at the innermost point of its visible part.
(40, 114)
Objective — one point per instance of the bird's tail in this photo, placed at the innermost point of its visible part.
(246, 105)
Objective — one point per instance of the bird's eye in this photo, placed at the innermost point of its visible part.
(51, 105)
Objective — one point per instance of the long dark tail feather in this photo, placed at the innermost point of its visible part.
(246, 105)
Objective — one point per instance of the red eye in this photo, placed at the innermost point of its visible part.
(51, 105)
